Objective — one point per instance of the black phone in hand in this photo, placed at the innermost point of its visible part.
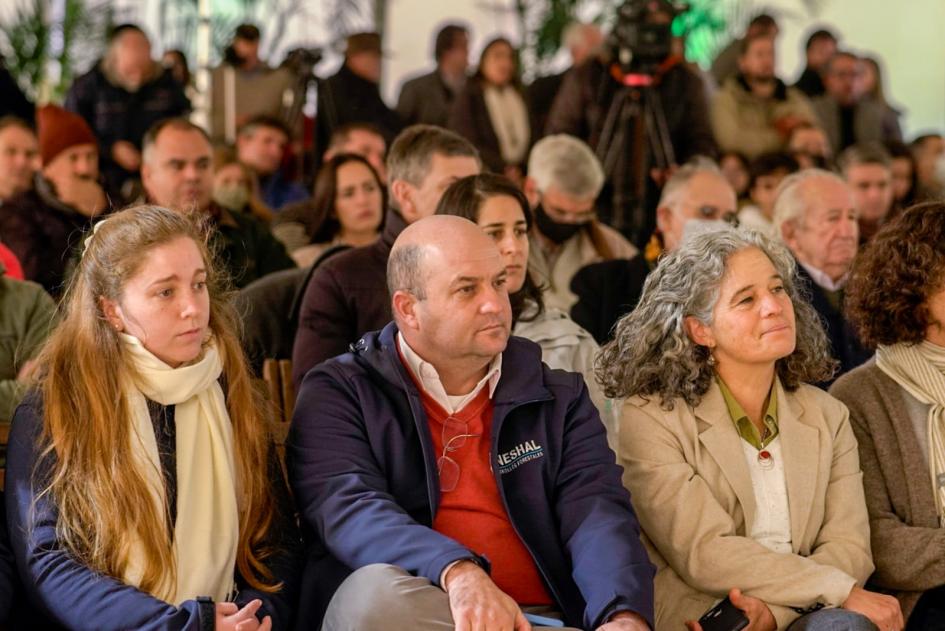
(723, 617)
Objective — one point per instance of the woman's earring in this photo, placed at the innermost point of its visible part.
(710, 360)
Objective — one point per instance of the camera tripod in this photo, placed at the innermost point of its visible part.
(635, 137)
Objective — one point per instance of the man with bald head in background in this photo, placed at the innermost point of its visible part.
(441, 467)
(121, 97)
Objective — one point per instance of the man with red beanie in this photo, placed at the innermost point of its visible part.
(42, 226)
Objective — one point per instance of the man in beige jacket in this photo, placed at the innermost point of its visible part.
(754, 111)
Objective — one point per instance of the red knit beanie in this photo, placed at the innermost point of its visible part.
(60, 129)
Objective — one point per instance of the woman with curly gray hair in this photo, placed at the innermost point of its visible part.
(745, 479)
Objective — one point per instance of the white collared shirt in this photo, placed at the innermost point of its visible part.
(772, 524)
(823, 280)
(429, 378)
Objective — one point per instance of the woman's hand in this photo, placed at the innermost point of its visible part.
(231, 618)
(759, 616)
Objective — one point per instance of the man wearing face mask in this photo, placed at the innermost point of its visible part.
(696, 193)
(564, 179)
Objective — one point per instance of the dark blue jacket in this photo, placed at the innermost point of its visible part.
(844, 343)
(363, 471)
(60, 588)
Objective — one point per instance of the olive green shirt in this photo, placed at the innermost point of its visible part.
(746, 429)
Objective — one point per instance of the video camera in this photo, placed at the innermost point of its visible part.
(302, 60)
(642, 35)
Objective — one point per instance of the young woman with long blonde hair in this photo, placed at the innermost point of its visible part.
(141, 488)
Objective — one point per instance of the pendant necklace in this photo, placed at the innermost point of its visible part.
(765, 459)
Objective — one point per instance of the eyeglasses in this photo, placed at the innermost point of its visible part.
(455, 433)
(563, 216)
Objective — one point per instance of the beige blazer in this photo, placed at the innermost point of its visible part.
(692, 492)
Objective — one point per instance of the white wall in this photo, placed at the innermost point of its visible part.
(908, 36)
(412, 25)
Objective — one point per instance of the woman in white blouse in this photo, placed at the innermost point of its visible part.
(492, 113)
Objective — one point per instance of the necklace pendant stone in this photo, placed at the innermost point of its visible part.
(765, 460)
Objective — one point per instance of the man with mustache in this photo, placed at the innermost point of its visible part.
(41, 226)
(442, 469)
(816, 216)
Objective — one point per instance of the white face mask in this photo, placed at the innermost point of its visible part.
(940, 169)
(695, 227)
(232, 198)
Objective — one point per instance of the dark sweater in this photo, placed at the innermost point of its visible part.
(844, 343)
(246, 247)
(64, 592)
(346, 298)
(606, 292)
(43, 232)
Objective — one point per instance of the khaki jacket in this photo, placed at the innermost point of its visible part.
(692, 491)
(745, 123)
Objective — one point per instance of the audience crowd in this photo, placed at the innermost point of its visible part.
(549, 360)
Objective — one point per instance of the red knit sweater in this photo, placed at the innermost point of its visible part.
(473, 513)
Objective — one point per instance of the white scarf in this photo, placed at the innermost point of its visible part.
(206, 533)
(920, 370)
(509, 118)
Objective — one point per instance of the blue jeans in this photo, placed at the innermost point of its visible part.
(832, 620)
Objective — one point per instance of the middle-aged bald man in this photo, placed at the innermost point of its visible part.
(443, 470)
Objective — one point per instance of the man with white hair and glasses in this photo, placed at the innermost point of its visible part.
(697, 192)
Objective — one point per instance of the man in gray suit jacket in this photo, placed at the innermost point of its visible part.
(847, 117)
(428, 98)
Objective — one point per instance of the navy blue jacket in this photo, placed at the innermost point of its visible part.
(60, 588)
(363, 471)
(844, 343)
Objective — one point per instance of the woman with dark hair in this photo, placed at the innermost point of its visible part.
(745, 479)
(734, 167)
(491, 111)
(175, 61)
(896, 301)
(347, 209)
(905, 180)
(500, 208)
